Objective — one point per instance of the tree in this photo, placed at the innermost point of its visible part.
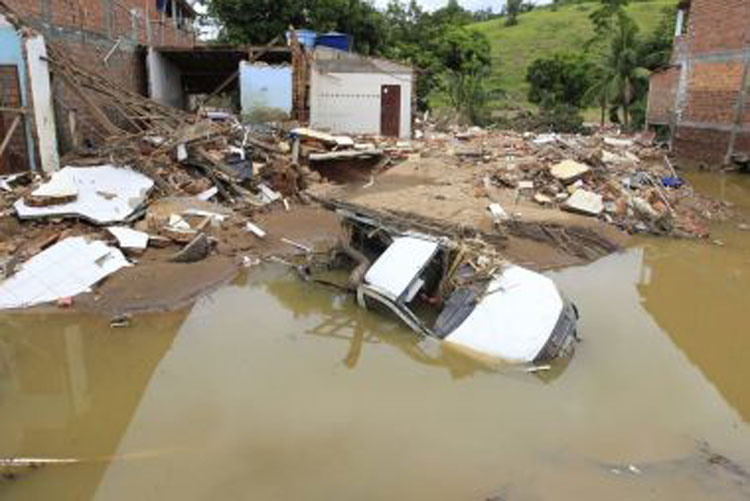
(561, 78)
(620, 77)
(448, 57)
(259, 21)
(464, 56)
(603, 18)
(512, 9)
(452, 14)
(656, 50)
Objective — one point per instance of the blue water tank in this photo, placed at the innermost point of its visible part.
(305, 37)
(340, 41)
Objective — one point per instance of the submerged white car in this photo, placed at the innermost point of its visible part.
(514, 314)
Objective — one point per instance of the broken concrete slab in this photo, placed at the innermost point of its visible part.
(497, 212)
(323, 137)
(267, 194)
(68, 268)
(128, 238)
(542, 199)
(618, 143)
(257, 230)
(59, 189)
(585, 202)
(207, 194)
(568, 171)
(612, 159)
(7, 183)
(197, 250)
(106, 194)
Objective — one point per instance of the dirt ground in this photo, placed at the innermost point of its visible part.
(158, 285)
(434, 189)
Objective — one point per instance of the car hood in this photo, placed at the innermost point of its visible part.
(514, 319)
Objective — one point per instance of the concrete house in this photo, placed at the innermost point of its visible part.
(106, 36)
(703, 96)
(354, 94)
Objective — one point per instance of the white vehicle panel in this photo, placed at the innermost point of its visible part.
(401, 262)
(515, 321)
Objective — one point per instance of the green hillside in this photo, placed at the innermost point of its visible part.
(543, 32)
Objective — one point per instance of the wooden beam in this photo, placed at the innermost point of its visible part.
(5, 109)
(9, 134)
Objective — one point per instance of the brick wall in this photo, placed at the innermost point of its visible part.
(88, 30)
(661, 96)
(15, 157)
(712, 53)
(111, 19)
(719, 25)
(713, 89)
(703, 145)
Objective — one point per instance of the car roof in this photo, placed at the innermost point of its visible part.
(400, 264)
(514, 320)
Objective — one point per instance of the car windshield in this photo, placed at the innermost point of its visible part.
(457, 308)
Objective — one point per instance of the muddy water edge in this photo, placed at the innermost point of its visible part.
(275, 389)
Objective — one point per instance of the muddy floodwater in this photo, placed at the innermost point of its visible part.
(273, 389)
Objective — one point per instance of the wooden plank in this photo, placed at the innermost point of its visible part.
(9, 135)
(6, 109)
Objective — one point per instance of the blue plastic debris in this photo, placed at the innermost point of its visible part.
(672, 182)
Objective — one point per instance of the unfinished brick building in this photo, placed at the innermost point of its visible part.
(110, 37)
(702, 97)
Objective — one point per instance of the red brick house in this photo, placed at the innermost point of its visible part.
(110, 37)
(703, 97)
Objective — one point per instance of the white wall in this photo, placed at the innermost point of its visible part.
(264, 87)
(349, 103)
(41, 96)
(164, 80)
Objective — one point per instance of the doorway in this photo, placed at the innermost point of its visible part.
(390, 110)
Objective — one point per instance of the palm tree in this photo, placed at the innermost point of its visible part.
(619, 70)
(601, 90)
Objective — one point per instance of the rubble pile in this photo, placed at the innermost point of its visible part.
(626, 181)
(161, 185)
(175, 187)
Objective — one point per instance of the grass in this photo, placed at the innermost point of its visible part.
(543, 32)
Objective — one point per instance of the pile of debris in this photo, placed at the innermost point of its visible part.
(184, 186)
(627, 181)
(160, 180)
(623, 181)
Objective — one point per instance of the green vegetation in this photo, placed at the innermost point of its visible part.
(544, 32)
(563, 58)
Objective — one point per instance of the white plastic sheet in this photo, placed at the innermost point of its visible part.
(106, 194)
(66, 269)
